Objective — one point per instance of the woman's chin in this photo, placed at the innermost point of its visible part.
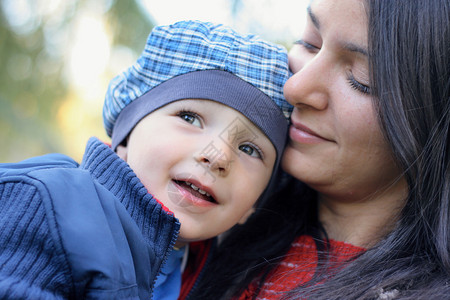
(291, 162)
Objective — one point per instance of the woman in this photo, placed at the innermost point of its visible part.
(370, 139)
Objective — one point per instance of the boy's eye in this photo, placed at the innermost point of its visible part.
(250, 150)
(190, 117)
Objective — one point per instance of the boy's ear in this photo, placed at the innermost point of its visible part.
(122, 152)
(246, 216)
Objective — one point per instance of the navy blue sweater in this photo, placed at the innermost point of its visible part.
(70, 231)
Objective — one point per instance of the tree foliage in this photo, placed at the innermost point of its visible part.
(33, 64)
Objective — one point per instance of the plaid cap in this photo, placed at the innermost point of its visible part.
(201, 60)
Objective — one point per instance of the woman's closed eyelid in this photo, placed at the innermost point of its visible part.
(354, 83)
(307, 45)
(360, 87)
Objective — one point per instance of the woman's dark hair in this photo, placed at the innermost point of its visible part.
(409, 58)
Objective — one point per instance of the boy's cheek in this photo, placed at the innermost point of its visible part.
(122, 152)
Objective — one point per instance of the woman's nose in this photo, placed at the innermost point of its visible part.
(308, 86)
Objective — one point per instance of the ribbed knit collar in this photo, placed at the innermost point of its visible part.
(115, 175)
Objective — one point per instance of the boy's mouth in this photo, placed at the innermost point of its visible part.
(196, 191)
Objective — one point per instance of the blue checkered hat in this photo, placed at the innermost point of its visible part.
(198, 60)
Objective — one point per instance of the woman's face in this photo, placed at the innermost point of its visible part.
(336, 144)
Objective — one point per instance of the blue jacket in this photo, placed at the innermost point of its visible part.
(80, 231)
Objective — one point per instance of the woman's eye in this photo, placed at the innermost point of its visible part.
(356, 85)
(250, 150)
(307, 46)
(190, 117)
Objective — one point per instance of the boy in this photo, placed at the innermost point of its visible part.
(196, 121)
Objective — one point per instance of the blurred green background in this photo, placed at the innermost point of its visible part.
(57, 57)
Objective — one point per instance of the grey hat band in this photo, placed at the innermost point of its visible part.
(216, 85)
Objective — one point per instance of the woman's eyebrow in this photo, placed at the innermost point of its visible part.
(313, 17)
(355, 48)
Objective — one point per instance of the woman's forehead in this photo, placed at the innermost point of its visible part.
(344, 20)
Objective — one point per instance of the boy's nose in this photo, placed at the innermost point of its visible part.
(217, 157)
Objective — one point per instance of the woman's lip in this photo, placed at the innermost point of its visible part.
(302, 134)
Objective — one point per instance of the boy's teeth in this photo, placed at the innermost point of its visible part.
(196, 188)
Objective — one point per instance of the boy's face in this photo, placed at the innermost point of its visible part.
(204, 161)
